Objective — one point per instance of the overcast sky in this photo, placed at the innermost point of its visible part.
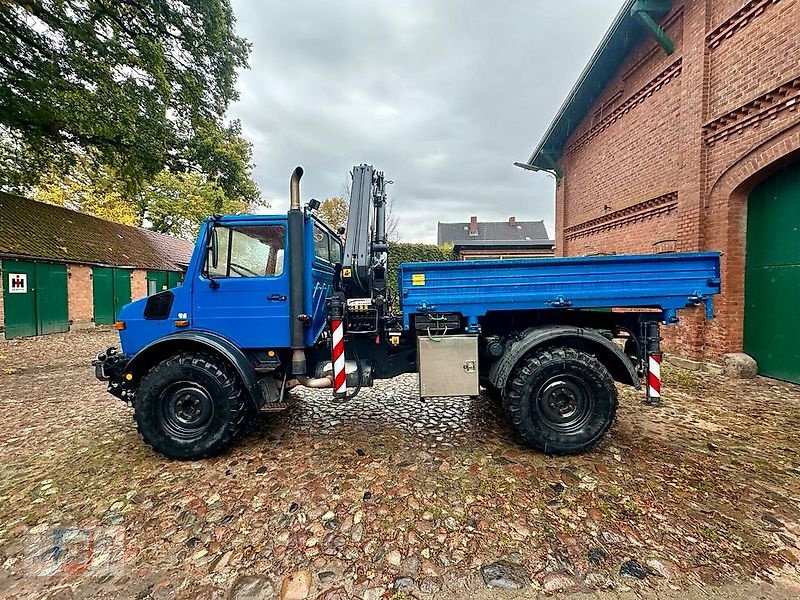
(442, 95)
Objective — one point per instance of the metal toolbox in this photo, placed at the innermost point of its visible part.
(448, 365)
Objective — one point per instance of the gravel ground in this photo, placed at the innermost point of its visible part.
(390, 497)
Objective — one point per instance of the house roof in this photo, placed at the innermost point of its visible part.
(524, 231)
(622, 37)
(31, 229)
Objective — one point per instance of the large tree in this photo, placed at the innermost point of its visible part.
(135, 85)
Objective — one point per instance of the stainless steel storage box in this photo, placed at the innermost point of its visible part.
(448, 365)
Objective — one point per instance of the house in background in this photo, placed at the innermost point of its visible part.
(683, 134)
(496, 239)
(64, 270)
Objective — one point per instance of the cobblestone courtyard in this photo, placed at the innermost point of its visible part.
(391, 497)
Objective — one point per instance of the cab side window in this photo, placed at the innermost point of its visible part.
(321, 249)
(248, 251)
(335, 249)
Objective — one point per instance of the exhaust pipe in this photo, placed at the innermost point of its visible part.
(315, 382)
(296, 265)
(294, 189)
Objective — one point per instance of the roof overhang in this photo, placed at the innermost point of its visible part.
(504, 244)
(636, 19)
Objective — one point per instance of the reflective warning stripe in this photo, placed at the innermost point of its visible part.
(339, 374)
(654, 376)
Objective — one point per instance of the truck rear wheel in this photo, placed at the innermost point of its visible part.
(561, 400)
(190, 406)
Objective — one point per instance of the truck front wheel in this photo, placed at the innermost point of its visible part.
(561, 400)
(190, 406)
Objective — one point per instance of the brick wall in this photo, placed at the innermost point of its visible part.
(667, 156)
(138, 284)
(79, 296)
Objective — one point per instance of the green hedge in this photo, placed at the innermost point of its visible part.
(411, 253)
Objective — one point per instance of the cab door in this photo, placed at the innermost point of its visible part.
(324, 251)
(242, 291)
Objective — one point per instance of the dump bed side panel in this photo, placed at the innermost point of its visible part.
(473, 288)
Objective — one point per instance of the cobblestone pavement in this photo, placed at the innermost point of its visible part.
(391, 497)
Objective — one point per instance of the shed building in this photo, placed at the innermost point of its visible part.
(65, 270)
(682, 134)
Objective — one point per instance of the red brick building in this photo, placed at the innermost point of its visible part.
(682, 134)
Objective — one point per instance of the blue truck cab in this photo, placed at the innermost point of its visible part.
(242, 293)
(275, 302)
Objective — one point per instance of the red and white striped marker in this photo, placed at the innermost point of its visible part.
(654, 377)
(339, 374)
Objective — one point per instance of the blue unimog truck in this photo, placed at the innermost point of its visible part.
(272, 302)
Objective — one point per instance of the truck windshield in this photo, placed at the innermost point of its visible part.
(248, 251)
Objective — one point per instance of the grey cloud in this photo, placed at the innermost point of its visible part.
(442, 95)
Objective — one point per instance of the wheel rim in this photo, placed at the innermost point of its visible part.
(564, 403)
(186, 409)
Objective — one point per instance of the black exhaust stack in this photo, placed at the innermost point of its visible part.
(296, 266)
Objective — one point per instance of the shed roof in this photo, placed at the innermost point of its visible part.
(31, 229)
(493, 231)
(622, 37)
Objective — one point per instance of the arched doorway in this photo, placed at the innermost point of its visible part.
(772, 275)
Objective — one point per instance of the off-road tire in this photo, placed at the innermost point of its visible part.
(218, 389)
(549, 380)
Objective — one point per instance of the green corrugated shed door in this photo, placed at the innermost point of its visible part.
(35, 298)
(772, 276)
(111, 291)
(103, 295)
(20, 307)
(122, 289)
(156, 282)
(52, 313)
(174, 279)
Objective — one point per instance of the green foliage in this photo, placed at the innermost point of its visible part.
(176, 203)
(135, 85)
(410, 253)
(173, 203)
(90, 189)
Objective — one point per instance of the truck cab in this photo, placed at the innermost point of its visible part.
(237, 286)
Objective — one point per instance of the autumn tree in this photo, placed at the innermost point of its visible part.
(93, 190)
(174, 203)
(136, 86)
(333, 211)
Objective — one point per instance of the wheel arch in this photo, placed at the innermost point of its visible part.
(182, 341)
(607, 352)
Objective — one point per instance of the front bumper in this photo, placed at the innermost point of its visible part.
(110, 366)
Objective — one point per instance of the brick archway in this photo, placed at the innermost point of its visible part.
(725, 228)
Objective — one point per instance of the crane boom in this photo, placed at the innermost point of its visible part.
(366, 247)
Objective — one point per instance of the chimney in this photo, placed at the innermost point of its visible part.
(473, 225)
(512, 221)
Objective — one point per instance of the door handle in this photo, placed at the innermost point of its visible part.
(276, 298)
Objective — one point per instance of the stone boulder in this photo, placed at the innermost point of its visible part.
(739, 365)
